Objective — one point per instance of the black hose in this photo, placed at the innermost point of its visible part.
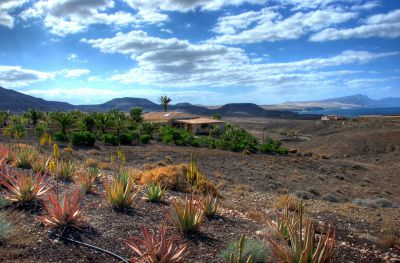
(90, 246)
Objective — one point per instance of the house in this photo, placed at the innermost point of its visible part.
(195, 124)
(333, 118)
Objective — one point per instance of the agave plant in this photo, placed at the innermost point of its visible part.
(186, 215)
(65, 170)
(119, 195)
(211, 205)
(303, 247)
(23, 187)
(154, 192)
(40, 164)
(22, 158)
(64, 214)
(156, 248)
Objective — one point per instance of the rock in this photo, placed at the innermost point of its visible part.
(292, 151)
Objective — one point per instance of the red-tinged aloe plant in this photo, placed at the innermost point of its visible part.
(156, 249)
(23, 187)
(63, 214)
(186, 215)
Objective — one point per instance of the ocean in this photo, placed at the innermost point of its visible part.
(356, 112)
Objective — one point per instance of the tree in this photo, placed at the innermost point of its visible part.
(88, 123)
(34, 115)
(164, 101)
(119, 120)
(136, 115)
(63, 119)
(103, 121)
(4, 115)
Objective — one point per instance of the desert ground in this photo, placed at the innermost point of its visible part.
(346, 171)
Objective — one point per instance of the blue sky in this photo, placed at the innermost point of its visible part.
(200, 51)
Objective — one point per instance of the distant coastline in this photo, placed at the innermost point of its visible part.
(355, 112)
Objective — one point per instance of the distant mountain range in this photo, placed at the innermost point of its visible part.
(347, 102)
(18, 102)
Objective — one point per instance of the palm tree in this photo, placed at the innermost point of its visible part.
(34, 115)
(103, 121)
(164, 101)
(63, 120)
(4, 115)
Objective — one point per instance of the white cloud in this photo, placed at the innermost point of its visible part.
(73, 73)
(64, 17)
(75, 58)
(269, 25)
(379, 25)
(16, 76)
(177, 63)
(166, 30)
(6, 7)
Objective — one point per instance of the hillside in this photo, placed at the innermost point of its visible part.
(19, 102)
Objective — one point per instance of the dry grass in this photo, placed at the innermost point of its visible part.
(282, 201)
(93, 152)
(90, 162)
(106, 166)
(173, 177)
(240, 189)
(257, 216)
(390, 236)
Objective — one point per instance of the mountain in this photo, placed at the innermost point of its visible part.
(353, 101)
(18, 102)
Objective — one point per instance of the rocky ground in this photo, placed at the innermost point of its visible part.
(346, 171)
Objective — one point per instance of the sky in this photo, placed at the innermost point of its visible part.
(207, 52)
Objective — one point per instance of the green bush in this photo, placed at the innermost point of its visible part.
(59, 137)
(109, 138)
(272, 146)
(148, 128)
(251, 247)
(5, 227)
(125, 138)
(135, 136)
(85, 138)
(145, 138)
(176, 136)
(40, 129)
(236, 139)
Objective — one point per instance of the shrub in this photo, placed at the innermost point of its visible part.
(242, 250)
(186, 215)
(119, 195)
(110, 139)
(148, 128)
(59, 137)
(63, 214)
(135, 136)
(173, 177)
(40, 129)
(84, 138)
(303, 195)
(154, 192)
(156, 249)
(272, 146)
(383, 202)
(65, 170)
(5, 227)
(330, 198)
(22, 187)
(125, 139)
(363, 202)
(236, 139)
(211, 205)
(171, 135)
(145, 139)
